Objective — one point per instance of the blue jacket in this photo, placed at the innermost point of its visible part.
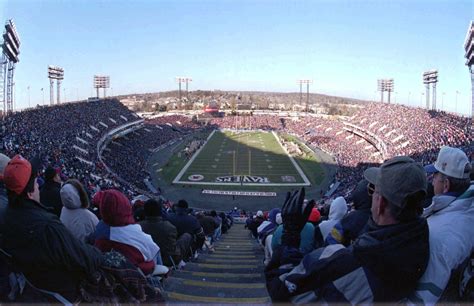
(383, 265)
(307, 238)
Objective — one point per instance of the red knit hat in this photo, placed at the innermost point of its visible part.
(17, 174)
(115, 208)
(315, 215)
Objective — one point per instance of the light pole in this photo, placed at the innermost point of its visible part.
(421, 98)
(64, 93)
(29, 96)
(42, 93)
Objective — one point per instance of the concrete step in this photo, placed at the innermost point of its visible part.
(233, 273)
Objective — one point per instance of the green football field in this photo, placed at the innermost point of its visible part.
(242, 158)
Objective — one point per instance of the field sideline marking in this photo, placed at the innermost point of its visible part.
(188, 164)
(303, 176)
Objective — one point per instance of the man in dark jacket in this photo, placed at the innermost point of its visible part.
(185, 223)
(208, 224)
(50, 191)
(165, 234)
(41, 246)
(383, 265)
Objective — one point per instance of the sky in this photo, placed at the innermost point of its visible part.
(258, 45)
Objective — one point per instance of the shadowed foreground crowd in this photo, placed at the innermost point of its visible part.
(406, 236)
(109, 250)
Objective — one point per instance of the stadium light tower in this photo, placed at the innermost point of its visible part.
(307, 82)
(430, 77)
(101, 81)
(385, 85)
(389, 87)
(55, 73)
(380, 87)
(183, 80)
(10, 52)
(469, 48)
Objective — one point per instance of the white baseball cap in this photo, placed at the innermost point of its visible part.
(452, 162)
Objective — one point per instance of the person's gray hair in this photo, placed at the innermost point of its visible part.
(459, 185)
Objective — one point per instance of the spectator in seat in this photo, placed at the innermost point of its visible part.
(118, 231)
(208, 223)
(186, 223)
(315, 216)
(383, 265)
(218, 231)
(75, 215)
(226, 222)
(50, 196)
(265, 233)
(450, 219)
(306, 243)
(254, 222)
(40, 245)
(164, 234)
(354, 223)
(337, 210)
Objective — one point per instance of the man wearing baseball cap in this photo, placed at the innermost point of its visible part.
(451, 223)
(382, 265)
(41, 246)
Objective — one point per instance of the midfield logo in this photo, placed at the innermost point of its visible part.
(242, 179)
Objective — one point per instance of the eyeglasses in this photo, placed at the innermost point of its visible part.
(370, 189)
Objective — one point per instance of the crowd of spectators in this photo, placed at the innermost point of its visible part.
(65, 137)
(68, 149)
(415, 131)
(71, 145)
(418, 133)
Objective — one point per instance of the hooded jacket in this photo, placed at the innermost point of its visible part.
(118, 231)
(268, 227)
(383, 265)
(337, 211)
(354, 223)
(450, 220)
(79, 221)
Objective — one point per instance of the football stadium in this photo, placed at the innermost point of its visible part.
(174, 195)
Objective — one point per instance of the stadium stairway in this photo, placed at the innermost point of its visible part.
(233, 273)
